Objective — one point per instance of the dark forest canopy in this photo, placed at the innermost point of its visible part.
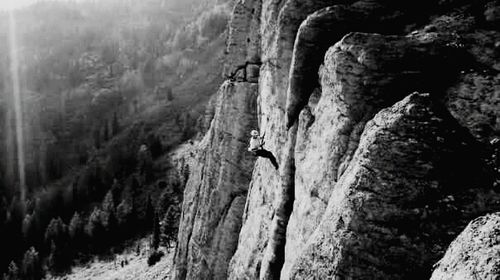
(86, 66)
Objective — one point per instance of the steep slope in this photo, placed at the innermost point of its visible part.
(111, 269)
(91, 98)
(337, 146)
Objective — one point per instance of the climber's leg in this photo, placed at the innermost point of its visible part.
(267, 154)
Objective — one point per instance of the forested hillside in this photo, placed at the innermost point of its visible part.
(108, 88)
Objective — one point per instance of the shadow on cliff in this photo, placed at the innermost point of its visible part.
(269, 155)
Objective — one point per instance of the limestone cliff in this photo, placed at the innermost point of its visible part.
(373, 181)
(216, 191)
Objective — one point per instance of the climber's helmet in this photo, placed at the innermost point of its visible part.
(254, 133)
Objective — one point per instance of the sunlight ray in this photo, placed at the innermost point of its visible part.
(17, 98)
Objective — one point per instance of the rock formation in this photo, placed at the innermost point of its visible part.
(388, 209)
(373, 181)
(474, 254)
(216, 190)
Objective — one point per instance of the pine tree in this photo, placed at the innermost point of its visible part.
(166, 199)
(108, 207)
(170, 225)
(28, 229)
(12, 272)
(124, 212)
(155, 242)
(150, 213)
(56, 231)
(57, 236)
(76, 231)
(109, 216)
(95, 229)
(54, 258)
(32, 267)
(127, 217)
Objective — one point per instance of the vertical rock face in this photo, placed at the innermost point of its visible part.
(216, 190)
(280, 22)
(362, 192)
(474, 254)
(361, 75)
(388, 209)
(317, 33)
(243, 43)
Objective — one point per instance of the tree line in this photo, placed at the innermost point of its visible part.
(125, 212)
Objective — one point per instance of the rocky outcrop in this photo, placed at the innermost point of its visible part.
(362, 74)
(357, 181)
(280, 22)
(473, 97)
(216, 191)
(474, 254)
(317, 33)
(243, 43)
(388, 209)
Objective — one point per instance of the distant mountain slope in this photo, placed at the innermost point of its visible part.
(98, 81)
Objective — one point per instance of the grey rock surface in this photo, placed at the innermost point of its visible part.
(216, 191)
(369, 186)
(474, 254)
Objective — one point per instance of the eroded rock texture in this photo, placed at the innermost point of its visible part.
(317, 33)
(389, 207)
(362, 74)
(362, 192)
(243, 43)
(216, 191)
(474, 254)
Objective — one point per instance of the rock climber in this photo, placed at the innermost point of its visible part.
(257, 148)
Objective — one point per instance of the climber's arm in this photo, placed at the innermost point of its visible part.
(262, 142)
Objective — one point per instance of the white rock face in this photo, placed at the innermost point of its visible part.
(216, 191)
(474, 254)
(362, 191)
